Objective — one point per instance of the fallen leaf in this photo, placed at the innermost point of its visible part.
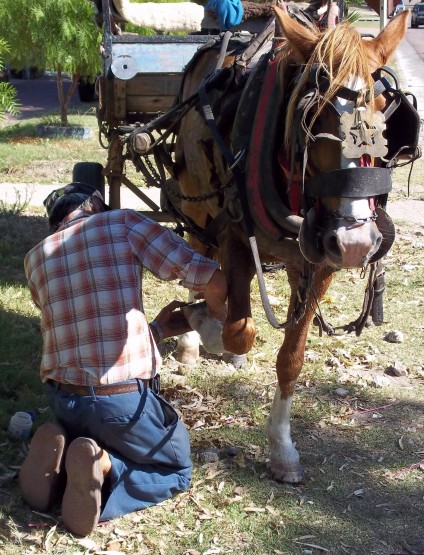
(272, 511)
(241, 490)
(314, 546)
(88, 543)
(254, 510)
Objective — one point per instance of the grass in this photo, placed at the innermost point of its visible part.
(27, 158)
(362, 493)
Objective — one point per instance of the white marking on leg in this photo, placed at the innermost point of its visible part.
(284, 456)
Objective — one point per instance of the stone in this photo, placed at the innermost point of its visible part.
(394, 337)
(397, 369)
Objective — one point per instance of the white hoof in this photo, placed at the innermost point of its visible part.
(291, 474)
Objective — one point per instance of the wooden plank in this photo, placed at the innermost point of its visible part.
(152, 84)
(164, 217)
(146, 104)
(119, 99)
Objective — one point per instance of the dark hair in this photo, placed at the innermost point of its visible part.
(62, 202)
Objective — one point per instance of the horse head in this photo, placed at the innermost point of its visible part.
(335, 132)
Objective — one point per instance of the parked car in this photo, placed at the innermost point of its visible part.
(399, 8)
(87, 89)
(417, 15)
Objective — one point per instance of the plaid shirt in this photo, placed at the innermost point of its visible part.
(86, 279)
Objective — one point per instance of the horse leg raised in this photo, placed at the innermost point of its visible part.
(187, 351)
(285, 465)
(237, 262)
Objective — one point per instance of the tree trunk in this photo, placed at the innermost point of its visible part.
(64, 100)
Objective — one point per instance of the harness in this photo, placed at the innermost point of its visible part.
(244, 202)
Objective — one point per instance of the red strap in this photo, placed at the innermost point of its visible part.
(254, 159)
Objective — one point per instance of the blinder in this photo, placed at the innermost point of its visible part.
(399, 128)
(402, 120)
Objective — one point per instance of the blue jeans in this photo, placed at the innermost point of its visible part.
(147, 443)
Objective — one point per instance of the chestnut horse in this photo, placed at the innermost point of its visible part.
(334, 224)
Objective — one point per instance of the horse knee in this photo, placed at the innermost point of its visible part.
(238, 337)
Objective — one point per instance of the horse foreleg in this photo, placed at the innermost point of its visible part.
(239, 330)
(285, 465)
(188, 344)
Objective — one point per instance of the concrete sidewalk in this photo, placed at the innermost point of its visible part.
(409, 210)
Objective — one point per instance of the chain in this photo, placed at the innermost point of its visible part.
(351, 219)
(152, 169)
(198, 198)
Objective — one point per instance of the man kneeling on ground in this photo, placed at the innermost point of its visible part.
(120, 446)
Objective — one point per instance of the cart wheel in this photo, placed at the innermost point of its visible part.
(90, 173)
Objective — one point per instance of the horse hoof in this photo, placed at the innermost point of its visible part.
(290, 474)
(236, 360)
(187, 356)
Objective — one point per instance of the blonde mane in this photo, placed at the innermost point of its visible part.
(344, 54)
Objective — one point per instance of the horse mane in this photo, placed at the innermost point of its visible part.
(343, 54)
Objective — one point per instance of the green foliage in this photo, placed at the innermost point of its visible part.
(59, 35)
(17, 207)
(8, 102)
(51, 34)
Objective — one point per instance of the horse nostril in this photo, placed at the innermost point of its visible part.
(332, 244)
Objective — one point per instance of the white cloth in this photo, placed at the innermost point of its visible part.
(178, 16)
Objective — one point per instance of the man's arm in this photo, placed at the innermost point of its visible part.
(171, 322)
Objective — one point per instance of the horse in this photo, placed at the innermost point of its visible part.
(307, 187)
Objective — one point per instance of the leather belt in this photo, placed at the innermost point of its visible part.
(108, 389)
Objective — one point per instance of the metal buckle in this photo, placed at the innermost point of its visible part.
(155, 384)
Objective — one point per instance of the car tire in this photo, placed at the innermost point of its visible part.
(86, 92)
(90, 173)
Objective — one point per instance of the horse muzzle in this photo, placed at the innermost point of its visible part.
(328, 237)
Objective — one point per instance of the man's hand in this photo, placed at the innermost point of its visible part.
(172, 321)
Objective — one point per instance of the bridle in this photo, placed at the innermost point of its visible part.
(361, 137)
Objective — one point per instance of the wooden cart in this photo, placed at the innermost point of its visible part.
(140, 79)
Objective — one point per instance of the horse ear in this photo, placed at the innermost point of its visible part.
(386, 42)
(301, 39)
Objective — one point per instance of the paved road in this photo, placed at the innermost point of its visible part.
(410, 66)
(37, 96)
